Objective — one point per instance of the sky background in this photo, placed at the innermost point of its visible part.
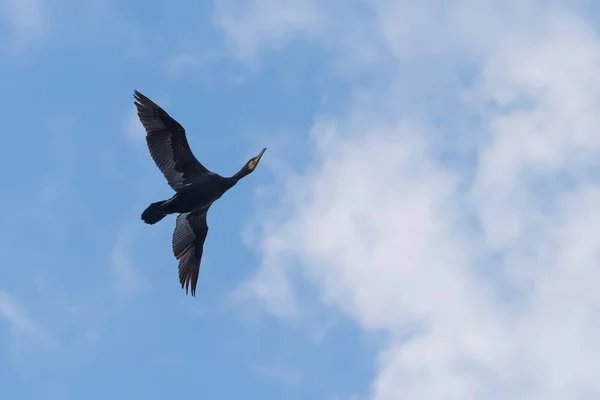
(423, 225)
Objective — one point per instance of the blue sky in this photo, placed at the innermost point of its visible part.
(100, 288)
(423, 218)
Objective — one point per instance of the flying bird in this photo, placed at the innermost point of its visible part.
(196, 188)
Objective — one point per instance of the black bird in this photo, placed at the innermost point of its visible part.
(196, 188)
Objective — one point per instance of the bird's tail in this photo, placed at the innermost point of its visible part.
(152, 214)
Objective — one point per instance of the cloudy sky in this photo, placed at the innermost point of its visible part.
(424, 224)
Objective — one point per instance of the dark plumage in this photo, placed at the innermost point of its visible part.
(196, 188)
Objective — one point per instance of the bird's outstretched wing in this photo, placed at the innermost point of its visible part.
(168, 144)
(188, 244)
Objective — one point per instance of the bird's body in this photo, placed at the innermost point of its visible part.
(196, 188)
(196, 197)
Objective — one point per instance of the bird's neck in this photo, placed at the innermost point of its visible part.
(239, 175)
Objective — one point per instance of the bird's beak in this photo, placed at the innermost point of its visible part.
(260, 155)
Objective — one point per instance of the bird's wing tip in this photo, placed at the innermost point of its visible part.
(138, 96)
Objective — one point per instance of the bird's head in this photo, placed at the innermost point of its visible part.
(250, 166)
(253, 162)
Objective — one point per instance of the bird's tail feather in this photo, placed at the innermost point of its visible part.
(152, 214)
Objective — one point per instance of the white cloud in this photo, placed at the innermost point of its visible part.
(257, 26)
(264, 24)
(493, 267)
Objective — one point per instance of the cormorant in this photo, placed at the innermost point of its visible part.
(196, 188)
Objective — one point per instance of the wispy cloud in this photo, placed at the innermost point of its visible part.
(133, 128)
(126, 279)
(280, 372)
(490, 264)
(27, 21)
(256, 25)
(15, 315)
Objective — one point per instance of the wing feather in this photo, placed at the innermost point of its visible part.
(188, 245)
(168, 145)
